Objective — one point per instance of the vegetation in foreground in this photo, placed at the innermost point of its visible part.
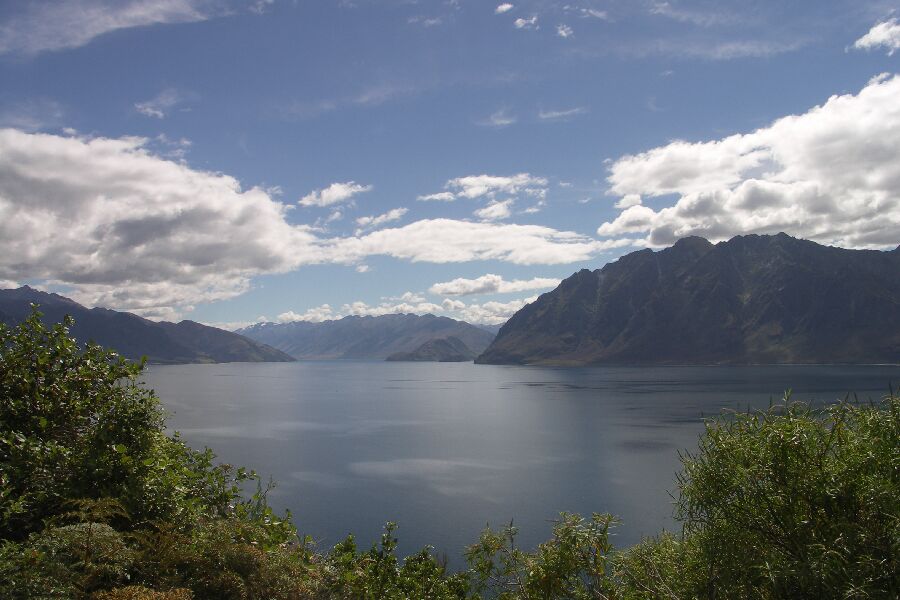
(96, 501)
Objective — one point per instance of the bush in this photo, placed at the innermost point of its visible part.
(791, 502)
(97, 501)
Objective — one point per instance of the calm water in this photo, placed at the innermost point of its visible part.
(443, 449)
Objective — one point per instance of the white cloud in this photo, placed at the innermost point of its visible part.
(501, 118)
(439, 196)
(490, 284)
(495, 210)
(476, 186)
(564, 31)
(116, 225)
(886, 35)
(561, 115)
(334, 194)
(830, 175)
(522, 23)
(502, 8)
(261, 7)
(449, 304)
(39, 26)
(130, 230)
(628, 201)
(535, 208)
(8, 284)
(362, 268)
(363, 309)
(375, 221)
(161, 104)
(448, 240)
(313, 315)
(492, 313)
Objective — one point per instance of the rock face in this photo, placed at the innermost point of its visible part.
(751, 300)
(133, 336)
(450, 349)
(365, 337)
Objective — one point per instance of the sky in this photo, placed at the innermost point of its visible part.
(235, 161)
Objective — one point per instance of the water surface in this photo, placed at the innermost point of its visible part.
(445, 448)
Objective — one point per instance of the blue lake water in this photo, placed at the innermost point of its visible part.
(445, 448)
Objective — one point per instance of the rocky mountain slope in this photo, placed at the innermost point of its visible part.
(751, 300)
(133, 336)
(364, 337)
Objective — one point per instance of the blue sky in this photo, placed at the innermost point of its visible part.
(225, 161)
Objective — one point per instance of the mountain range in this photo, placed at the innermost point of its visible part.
(754, 299)
(449, 349)
(133, 336)
(368, 337)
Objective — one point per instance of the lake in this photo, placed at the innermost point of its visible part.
(445, 448)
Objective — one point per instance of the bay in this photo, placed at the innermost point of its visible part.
(445, 448)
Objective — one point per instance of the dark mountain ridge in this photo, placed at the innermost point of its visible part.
(365, 337)
(755, 299)
(449, 349)
(133, 336)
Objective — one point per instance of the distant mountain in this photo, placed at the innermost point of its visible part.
(449, 349)
(364, 337)
(751, 300)
(489, 327)
(133, 336)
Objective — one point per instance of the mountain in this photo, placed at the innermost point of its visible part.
(755, 299)
(449, 349)
(364, 337)
(133, 336)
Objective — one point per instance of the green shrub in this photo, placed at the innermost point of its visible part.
(97, 501)
(791, 502)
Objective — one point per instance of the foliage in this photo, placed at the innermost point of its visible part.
(795, 502)
(96, 501)
(574, 563)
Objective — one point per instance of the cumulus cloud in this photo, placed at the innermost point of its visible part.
(830, 175)
(490, 284)
(477, 186)
(448, 240)
(439, 197)
(334, 194)
(523, 23)
(496, 210)
(46, 25)
(361, 309)
(492, 313)
(160, 105)
(628, 201)
(130, 230)
(114, 224)
(314, 315)
(884, 35)
(487, 313)
(377, 220)
(502, 8)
